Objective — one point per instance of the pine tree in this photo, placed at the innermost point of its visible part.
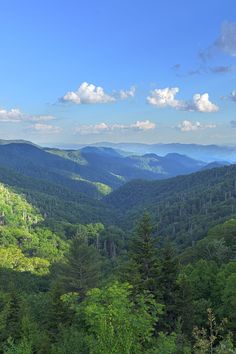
(142, 268)
(167, 282)
(82, 269)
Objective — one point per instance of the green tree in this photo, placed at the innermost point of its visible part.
(167, 282)
(82, 269)
(116, 324)
(141, 270)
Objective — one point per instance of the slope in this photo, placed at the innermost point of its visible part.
(184, 207)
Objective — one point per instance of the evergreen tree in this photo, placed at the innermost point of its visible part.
(167, 281)
(81, 271)
(142, 267)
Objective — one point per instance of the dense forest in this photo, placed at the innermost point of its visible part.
(149, 268)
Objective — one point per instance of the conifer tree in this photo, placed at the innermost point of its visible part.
(142, 268)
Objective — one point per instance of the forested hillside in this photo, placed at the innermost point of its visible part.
(93, 171)
(183, 208)
(94, 291)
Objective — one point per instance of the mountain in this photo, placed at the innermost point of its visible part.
(207, 153)
(112, 168)
(66, 185)
(19, 141)
(183, 208)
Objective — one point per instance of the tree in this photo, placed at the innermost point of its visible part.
(167, 281)
(116, 324)
(81, 271)
(142, 267)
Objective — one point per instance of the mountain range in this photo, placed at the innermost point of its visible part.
(95, 171)
(98, 184)
(207, 153)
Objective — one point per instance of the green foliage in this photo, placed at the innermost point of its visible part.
(13, 258)
(115, 323)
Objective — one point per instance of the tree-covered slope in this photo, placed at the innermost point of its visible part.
(183, 207)
(25, 245)
(56, 202)
(34, 162)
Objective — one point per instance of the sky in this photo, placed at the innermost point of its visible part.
(148, 71)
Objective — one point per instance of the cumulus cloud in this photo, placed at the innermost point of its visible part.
(103, 127)
(14, 115)
(91, 94)
(46, 128)
(166, 98)
(201, 103)
(226, 42)
(188, 126)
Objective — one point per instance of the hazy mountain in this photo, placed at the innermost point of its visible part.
(206, 153)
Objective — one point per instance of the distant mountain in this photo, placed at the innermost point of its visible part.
(215, 164)
(206, 153)
(183, 208)
(20, 141)
(92, 170)
(116, 169)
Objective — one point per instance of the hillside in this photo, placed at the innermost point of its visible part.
(57, 203)
(25, 245)
(183, 208)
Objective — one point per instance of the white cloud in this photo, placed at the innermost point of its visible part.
(124, 94)
(88, 94)
(166, 98)
(14, 115)
(201, 103)
(92, 129)
(91, 94)
(143, 125)
(39, 118)
(103, 127)
(187, 126)
(46, 128)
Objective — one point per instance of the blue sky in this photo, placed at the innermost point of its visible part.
(135, 71)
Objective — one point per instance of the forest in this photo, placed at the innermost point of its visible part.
(119, 275)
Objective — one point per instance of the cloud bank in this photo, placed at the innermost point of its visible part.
(144, 125)
(46, 128)
(188, 126)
